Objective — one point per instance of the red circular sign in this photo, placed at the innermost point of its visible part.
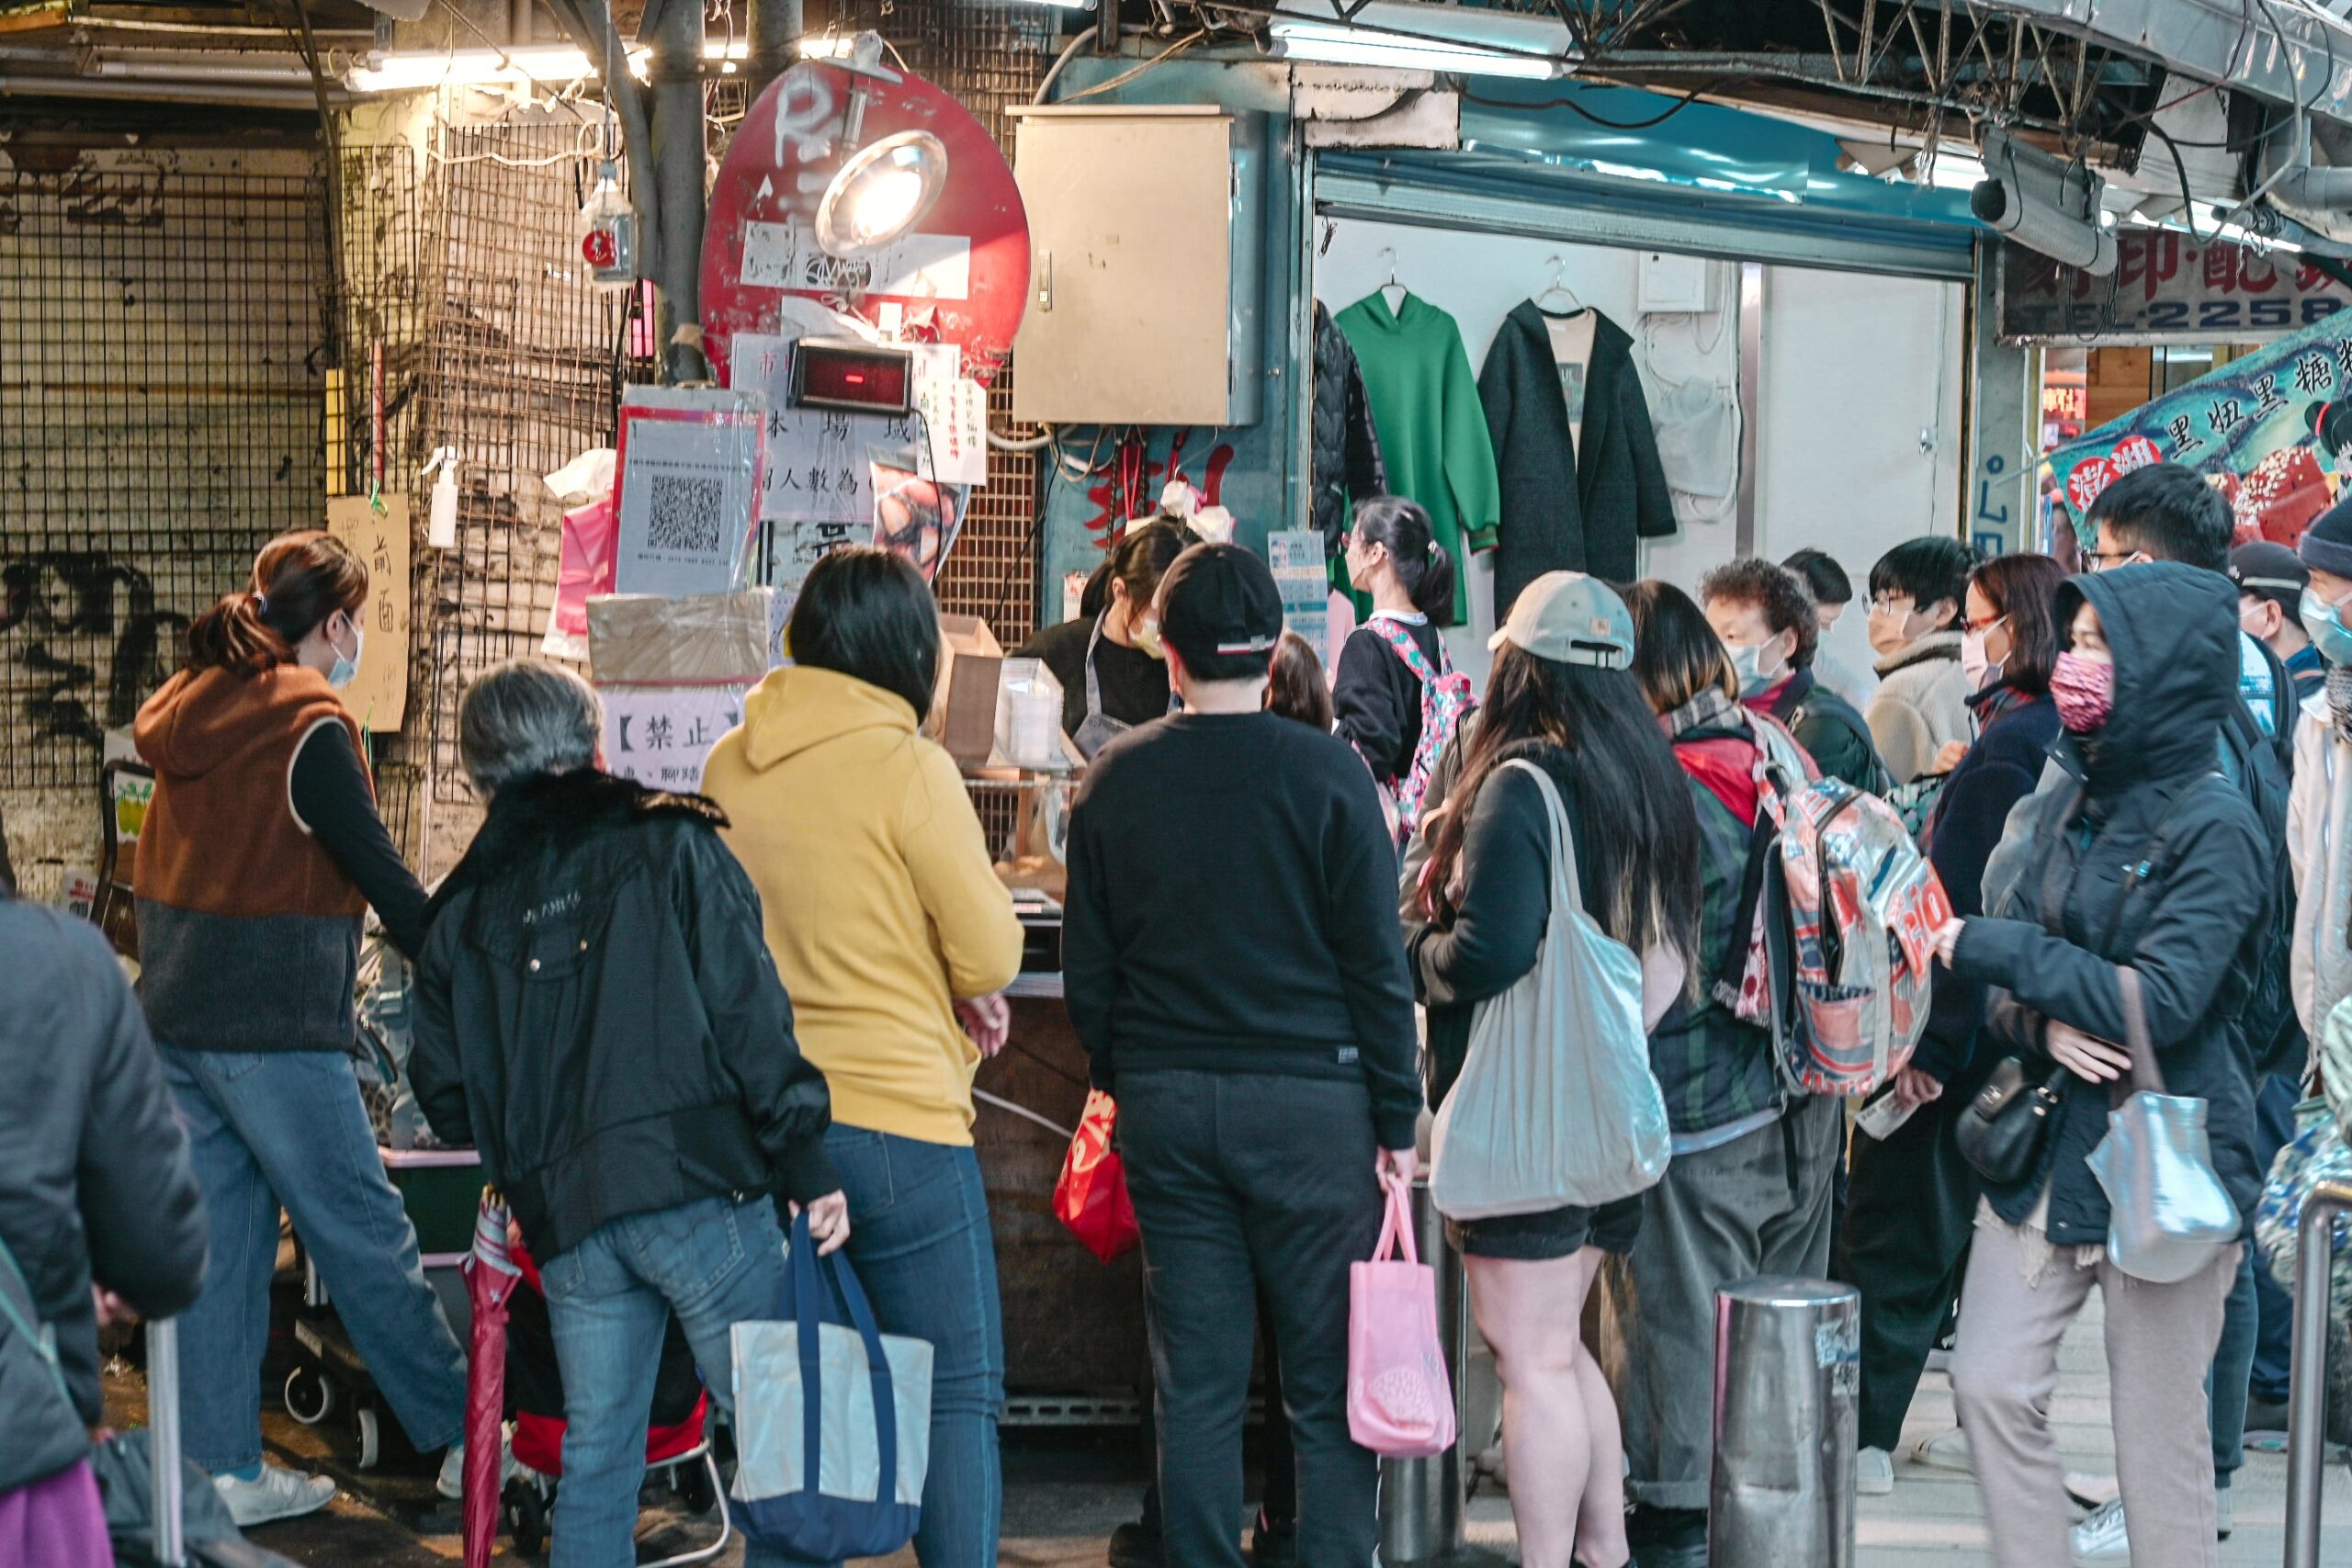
(968, 259)
(2083, 485)
(598, 246)
(2134, 453)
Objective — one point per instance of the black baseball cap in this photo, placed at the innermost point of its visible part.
(1220, 599)
(2268, 571)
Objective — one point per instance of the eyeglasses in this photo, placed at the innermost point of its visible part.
(1891, 603)
(1987, 624)
(2107, 558)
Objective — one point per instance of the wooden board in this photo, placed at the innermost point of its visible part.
(380, 697)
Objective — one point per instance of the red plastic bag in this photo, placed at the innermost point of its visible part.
(1091, 1196)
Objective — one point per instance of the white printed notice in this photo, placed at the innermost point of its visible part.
(917, 266)
(816, 485)
(660, 736)
(955, 412)
(689, 475)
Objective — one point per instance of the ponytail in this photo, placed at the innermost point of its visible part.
(298, 580)
(1403, 528)
(1433, 594)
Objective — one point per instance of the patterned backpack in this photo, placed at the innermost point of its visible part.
(1446, 699)
(1847, 909)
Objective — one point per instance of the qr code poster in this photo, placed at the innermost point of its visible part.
(689, 473)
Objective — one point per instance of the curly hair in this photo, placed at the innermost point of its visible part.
(1774, 590)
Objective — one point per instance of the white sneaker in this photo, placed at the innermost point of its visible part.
(2100, 1538)
(452, 1483)
(1873, 1472)
(279, 1493)
(1945, 1451)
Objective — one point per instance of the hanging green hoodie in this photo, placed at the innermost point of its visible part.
(1433, 428)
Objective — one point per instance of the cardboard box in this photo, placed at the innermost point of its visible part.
(964, 714)
(642, 639)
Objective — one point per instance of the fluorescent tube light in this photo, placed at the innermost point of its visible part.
(1403, 37)
(411, 70)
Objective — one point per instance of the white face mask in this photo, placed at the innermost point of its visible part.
(1748, 660)
(347, 665)
(1973, 660)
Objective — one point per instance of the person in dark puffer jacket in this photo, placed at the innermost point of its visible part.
(1346, 448)
(597, 1009)
(2155, 861)
(94, 1185)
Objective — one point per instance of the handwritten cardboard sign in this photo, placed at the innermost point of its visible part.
(379, 698)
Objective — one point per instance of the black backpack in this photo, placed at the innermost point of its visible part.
(2257, 766)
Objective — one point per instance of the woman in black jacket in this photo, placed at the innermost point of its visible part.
(1563, 698)
(1911, 1202)
(2155, 862)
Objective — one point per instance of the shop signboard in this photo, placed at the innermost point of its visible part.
(2167, 288)
(2270, 431)
(378, 532)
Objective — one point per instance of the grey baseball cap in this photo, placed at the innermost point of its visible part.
(1570, 617)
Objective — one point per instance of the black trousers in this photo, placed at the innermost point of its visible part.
(1244, 1184)
(1911, 1208)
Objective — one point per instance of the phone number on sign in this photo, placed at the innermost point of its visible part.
(2088, 317)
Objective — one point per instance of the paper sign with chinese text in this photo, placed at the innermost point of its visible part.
(660, 736)
(2167, 288)
(379, 698)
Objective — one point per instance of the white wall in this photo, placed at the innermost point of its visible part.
(1854, 366)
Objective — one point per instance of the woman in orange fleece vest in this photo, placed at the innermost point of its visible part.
(260, 853)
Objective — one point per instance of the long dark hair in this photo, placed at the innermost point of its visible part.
(1295, 687)
(298, 580)
(1590, 728)
(1139, 559)
(1677, 655)
(2024, 588)
(1402, 527)
(868, 613)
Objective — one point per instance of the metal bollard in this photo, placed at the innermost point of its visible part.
(163, 1441)
(2307, 1388)
(1788, 1370)
(1420, 1499)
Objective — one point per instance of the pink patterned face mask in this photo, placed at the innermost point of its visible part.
(2084, 690)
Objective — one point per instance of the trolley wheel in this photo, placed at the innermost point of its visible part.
(310, 1395)
(692, 1482)
(530, 1512)
(372, 1439)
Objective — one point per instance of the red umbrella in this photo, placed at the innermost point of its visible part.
(490, 1274)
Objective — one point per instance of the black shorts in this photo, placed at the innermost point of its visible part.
(1553, 1232)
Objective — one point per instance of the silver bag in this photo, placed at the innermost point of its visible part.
(2168, 1215)
(1557, 1104)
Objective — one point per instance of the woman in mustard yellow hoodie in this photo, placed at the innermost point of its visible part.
(893, 937)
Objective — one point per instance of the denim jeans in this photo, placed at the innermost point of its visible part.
(715, 1263)
(918, 1239)
(2225, 1385)
(288, 1128)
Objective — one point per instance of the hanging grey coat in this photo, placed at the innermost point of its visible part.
(1566, 509)
(1346, 449)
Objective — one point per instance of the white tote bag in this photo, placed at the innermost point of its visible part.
(1557, 1103)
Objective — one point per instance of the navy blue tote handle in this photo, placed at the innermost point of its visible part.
(811, 1310)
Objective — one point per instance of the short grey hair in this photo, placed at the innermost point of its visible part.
(525, 718)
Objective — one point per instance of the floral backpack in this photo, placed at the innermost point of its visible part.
(1446, 699)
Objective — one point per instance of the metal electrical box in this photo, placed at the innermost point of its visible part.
(1145, 230)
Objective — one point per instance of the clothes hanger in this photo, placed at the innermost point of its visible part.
(1397, 303)
(1559, 268)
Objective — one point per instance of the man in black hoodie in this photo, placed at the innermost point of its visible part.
(1234, 968)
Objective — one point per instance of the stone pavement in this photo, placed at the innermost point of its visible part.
(1065, 1492)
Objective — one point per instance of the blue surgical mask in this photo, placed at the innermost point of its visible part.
(1748, 660)
(347, 665)
(2324, 624)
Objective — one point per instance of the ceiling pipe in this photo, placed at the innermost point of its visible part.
(226, 94)
(2296, 182)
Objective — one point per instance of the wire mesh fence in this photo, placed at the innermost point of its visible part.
(159, 330)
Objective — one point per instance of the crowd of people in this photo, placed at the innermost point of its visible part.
(675, 1025)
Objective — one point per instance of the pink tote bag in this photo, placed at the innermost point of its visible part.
(1400, 1402)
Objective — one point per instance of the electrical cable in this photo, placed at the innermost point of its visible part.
(1061, 63)
(1569, 104)
(1124, 77)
